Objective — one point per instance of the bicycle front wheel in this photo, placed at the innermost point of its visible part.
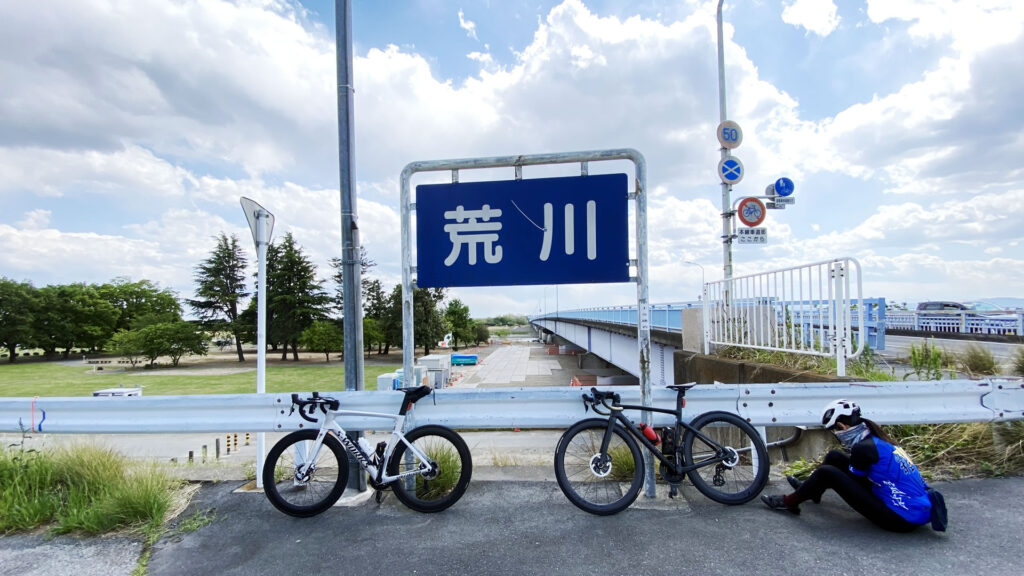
(442, 480)
(299, 490)
(600, 483)
(736, 460)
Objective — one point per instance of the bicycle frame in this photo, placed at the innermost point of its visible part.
(616, 415)
(378, 473)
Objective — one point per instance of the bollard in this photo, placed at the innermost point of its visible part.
(204, 453)
(246, 438)
(216, 448)
(228, 446)
(236, 442)
(190, 457)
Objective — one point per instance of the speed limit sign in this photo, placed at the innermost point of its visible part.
(730, 135)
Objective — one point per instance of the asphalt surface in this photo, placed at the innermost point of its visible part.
(527, 527)
(530, 528)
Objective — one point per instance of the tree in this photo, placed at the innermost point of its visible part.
(72, 315)
(323, 336)
(457, 317)
(295, 297)
(17, 311)
(428, 322)
(183, 338)
(375, 305)
(220, 288)
(391, 321)
(140, 303)
(372, 334)
(127, 344)
(365, 264)
(481, 333)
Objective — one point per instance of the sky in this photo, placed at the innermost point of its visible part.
(129, 129)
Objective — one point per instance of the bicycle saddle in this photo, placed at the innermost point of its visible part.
(412, 395)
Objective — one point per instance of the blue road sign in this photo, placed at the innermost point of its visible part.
(730, 170)
(784, 187)
(523, 232)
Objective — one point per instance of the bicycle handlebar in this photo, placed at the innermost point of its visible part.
(601, 398)
(324, 403)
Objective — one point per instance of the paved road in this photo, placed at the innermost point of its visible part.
(899, 347)
(530, 528)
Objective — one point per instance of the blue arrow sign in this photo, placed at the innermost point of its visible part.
(730, 170)
(784, 187)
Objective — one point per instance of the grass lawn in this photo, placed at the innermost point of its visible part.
(56, 379)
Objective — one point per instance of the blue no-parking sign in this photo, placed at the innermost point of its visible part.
(730, 170)
(523, 232)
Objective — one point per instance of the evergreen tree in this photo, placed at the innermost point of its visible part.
(365, 264)
(428, 321)
(220, 289)
(375, 305)
(295, 297)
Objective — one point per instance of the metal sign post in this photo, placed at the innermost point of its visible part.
(261, 223)
(455, 231)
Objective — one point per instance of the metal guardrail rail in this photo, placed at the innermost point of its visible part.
(793, 404)
(957, 322)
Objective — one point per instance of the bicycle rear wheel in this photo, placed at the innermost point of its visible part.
(450, 468)
(740, 460)
(601, 484)
(315, 489)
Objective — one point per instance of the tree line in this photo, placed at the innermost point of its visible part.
(141, 321)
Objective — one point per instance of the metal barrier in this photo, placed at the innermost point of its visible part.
(793, 404)
(957, 322)
(804, 309)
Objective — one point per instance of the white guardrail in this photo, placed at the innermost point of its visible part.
(791, 404)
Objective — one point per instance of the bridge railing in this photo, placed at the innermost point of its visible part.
(957, 322)
(809, 309)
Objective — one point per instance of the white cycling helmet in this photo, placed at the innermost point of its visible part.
(836, 408)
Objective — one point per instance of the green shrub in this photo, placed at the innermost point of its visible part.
(977, 359)
(926, 361)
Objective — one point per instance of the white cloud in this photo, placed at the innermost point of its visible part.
(468, 25)
(167, 112)
(816, 16)
(35, 220)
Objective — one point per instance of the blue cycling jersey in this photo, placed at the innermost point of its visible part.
(894, 478)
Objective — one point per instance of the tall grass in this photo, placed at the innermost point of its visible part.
(80, 489)
(977, 360)
(1018, 362)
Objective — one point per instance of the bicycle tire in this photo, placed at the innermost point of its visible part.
(599, 492)
(437, 490)
(309, 496)
(732, 483)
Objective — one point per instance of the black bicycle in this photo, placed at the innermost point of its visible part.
(600, 468)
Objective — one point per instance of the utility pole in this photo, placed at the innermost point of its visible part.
(350, 257)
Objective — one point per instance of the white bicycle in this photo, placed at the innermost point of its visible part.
(306, 472)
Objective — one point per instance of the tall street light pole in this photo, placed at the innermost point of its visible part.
(702, 282)
(726, 188)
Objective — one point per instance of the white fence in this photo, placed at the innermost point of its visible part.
(805, 309)
(791, 404)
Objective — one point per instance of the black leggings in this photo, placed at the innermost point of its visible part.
(835, 473)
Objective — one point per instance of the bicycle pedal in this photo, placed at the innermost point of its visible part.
(378, 496)
(673, 490)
